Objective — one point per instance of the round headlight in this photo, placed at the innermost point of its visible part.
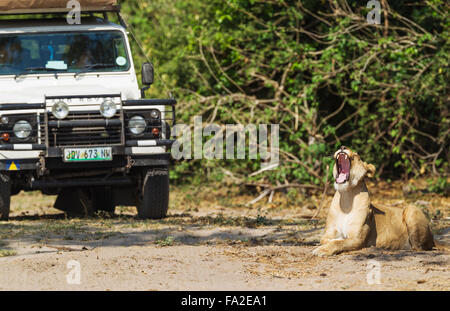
(60, 110)
(22, 129)
(108, 109)
(155, 114)
(137, 125)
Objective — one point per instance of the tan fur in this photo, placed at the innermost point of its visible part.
(354, 223)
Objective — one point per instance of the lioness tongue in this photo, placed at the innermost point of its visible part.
(341, 178)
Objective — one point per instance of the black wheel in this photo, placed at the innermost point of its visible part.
(153, 198)
(103, 199)
(5, 196)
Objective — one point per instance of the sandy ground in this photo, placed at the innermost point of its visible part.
(217, 246)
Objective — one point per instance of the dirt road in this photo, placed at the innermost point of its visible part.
(201, 247)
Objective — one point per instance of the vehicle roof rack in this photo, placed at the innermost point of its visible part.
(84, 9)
(116, 8)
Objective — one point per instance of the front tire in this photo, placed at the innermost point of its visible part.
(5, 196)
(153, 197)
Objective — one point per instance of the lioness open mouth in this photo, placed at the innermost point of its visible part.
(343, 168)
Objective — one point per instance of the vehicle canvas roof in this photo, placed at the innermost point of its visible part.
(53, 6)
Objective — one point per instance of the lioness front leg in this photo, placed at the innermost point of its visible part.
(329, 235)
(337, 246)
(331, 232)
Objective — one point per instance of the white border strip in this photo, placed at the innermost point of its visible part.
(23, 147)
(17, 155)
(146, 143)
(147, 150)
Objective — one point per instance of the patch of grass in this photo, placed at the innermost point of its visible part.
(9, 230)
(168, 241)
(61, 227)
(7, 253)
(234, 221)
(208, 206)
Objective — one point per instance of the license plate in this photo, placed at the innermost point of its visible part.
(88, 154)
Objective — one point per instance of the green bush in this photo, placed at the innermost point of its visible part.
(318, 69)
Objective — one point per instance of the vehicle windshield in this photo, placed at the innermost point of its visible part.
(72, 52)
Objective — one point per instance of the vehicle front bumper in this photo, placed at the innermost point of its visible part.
(22, 157)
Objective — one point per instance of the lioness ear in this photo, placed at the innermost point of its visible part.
(370, 170)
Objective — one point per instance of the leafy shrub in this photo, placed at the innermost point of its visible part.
(318, 69)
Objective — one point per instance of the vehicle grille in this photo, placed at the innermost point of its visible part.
(83, 136)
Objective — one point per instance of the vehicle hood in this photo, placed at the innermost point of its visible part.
(34, 89)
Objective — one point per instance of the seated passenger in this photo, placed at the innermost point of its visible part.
(86, 59)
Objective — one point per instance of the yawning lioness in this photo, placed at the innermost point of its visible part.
(353, 223)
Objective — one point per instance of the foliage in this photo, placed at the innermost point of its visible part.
(440, 186)
(318, 69)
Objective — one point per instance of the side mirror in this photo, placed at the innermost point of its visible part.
(147, 74)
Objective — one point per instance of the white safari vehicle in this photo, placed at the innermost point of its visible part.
(73, 121)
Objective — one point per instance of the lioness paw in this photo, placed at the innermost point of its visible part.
(322, 251)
